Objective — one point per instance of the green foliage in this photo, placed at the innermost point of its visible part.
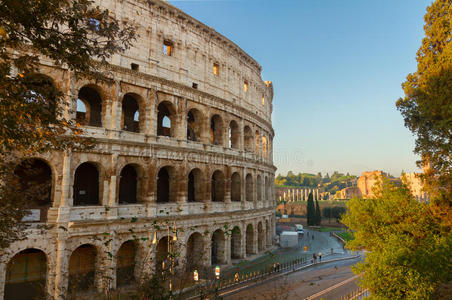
(409, 253)
(427, 105)
(318, 215)
(331, 184)
(311, 211)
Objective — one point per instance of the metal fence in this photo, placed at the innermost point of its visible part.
(359, 293)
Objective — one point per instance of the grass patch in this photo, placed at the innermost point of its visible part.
(346, 236)
(329, 229)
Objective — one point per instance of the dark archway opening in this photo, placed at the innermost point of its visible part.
(125, 267)
(194, 186)
(195, 252)
(130, 114)
(216, 128)
(82, 266)
(249, 187)
(217, 247)
(236, 189)
(163, 186)
(236, 243)
(217, 186)
(165, 119)
(86, 185)
(91, 111)
(26, 275)
(128, 183)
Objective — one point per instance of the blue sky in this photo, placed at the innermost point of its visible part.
(337, 68)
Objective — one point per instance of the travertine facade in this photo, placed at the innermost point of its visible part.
(184, 139)
(367, 182)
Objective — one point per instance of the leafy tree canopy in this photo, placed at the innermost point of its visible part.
(72, 34)
(409, 252)
(427, 105)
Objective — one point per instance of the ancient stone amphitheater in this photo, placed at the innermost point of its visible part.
(184, 152)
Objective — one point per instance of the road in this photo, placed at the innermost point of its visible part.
(303, 284)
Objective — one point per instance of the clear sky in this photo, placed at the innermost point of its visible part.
(337, 68)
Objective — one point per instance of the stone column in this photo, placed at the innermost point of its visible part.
(181, 123)
(66, 198)
(112, 202)
(182, 186)
(61, 266)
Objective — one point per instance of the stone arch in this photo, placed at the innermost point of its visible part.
(259, 188)
(42, 91)
(218, 247)
(166, 185)
(216, 130)
(90, 96)
(165, 250)
(249, 239)
(194, 125)
(195, 251)
(26, 275)
(269, 236)
(257, 142)
(267, 188)
(217, 186)
(249, 187)
(132, 113)
(260, 237)
(236, 243)
(166, 119)
(128, 185)
(236, 187)
(125, 263)
(82, 269)
(35, 179)
(195, 186)
(86, 185)
(264, 146)
(234, 135)
(248, 139)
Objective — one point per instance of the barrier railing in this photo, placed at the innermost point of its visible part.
(359, 293)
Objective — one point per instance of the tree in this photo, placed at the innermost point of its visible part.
(33, 112)
(318, 216)
(408, 253)
(311, 214)
(427, 105)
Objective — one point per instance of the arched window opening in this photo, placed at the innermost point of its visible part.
(257, 142)
(164, 119)
(86, 185)
(195, 186)
(26, 275)
(259, 188)
(128, 184)
(130, 112)
(216, 128)
(195, 252)
(249, 239)
(164, 185)
(125, 267)
(217, 188)
(248, 136)
(166, 248)
(249, 187)
(267, 189)
(194, 125)
(260, 237)
(218, 243)
(92, 114)
(236, 243)
(82, 269)
(41, 92)
(234, 135)
(236, 190)
(35, 183)
(264, 146)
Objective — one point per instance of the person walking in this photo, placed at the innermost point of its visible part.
(320, 256)
(314, 257)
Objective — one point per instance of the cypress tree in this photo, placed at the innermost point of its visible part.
(311, 210)
(318, 216)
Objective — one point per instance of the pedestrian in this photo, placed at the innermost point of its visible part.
(320, 256)
(314, 257)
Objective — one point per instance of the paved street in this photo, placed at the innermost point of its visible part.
(303, 284)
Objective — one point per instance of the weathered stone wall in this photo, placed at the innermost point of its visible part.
(169, 80)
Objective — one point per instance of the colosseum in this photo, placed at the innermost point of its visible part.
(184, 152)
